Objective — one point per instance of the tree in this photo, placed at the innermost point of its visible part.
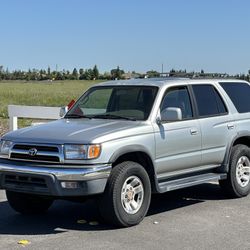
(59, 76)
(28, 75)
(1, 73)
(81, 74)
(66, 74)
(34, 75)
(105, 76)
(116, 73)
(89, 74)
(74, 74)
(153, 73)
(81, 71)
(95, 73)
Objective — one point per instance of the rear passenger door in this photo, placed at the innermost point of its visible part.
(216, 125)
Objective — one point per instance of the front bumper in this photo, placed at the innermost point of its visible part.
(48, 179)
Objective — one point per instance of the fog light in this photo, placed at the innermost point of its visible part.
(69, 184)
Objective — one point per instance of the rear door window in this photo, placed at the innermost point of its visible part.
(209, 102)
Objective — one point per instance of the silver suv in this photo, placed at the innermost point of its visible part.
(123, 140)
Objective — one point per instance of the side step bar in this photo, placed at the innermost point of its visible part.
(190, 181)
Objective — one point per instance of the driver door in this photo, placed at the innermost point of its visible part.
(178, 143)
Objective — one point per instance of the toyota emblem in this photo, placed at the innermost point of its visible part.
(32, 151)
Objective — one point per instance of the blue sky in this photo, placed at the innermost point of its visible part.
(134, 34)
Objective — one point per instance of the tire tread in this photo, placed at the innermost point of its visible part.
(107, 202)
(230, 186)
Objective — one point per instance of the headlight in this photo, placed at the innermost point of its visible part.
(81, 152)
(5, 147)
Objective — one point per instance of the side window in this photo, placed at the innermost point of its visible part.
(239, 93)
(208, 100)
(178, 98)
(220, 103)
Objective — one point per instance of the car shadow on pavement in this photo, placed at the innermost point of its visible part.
(185, 197)
(64, 216)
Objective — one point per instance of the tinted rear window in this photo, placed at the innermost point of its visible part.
(239, 93)
(208, 101)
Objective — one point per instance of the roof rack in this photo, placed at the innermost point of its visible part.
(195, 75)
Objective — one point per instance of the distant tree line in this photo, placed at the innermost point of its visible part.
(94, 74)
(75, 74)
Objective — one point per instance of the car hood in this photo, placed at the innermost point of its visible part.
(76, 131)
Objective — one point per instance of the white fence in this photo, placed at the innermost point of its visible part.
(36, 112)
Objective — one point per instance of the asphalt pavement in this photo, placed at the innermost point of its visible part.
(200, 217)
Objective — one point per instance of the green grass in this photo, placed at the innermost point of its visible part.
(54, 94)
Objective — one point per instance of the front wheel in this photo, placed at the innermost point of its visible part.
(238, 182)
(127, 196)
(28, 203)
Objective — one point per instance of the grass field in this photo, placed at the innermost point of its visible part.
(58, 93)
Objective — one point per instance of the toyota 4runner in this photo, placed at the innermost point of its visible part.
(123, 140)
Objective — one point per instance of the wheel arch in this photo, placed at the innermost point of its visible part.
(139, 154)
(241, 138)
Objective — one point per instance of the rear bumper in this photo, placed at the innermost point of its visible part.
(49, 180)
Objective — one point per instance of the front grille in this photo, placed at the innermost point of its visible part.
(37, 153)
(35, 158)
(38, 147)
(25, 183)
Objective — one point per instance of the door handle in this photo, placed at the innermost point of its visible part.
(230, 126)
(193, 131)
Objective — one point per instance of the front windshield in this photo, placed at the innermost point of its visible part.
(115, 102)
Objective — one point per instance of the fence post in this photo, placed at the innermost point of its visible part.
(13, 123)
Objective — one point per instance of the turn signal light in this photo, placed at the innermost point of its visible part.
(94, 151)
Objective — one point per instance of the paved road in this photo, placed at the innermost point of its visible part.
(194, 218)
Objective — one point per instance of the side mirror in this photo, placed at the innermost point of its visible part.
(171, 114)
(63, 111)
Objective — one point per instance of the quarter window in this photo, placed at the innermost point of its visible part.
(208, 100)
(239, 93)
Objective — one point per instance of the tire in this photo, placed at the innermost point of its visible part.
(237, 183)
(117, 204)
(28, 203)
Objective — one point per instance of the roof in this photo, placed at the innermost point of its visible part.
(159, 82)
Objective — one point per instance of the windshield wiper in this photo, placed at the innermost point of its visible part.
(110, 116)
(77, 116)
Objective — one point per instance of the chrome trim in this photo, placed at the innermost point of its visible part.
(62, 174)
(60, 153)
(26, 152)
(32, 151)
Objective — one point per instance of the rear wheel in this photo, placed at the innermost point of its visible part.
(28, 203)
(238, 182)
(127, 196)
